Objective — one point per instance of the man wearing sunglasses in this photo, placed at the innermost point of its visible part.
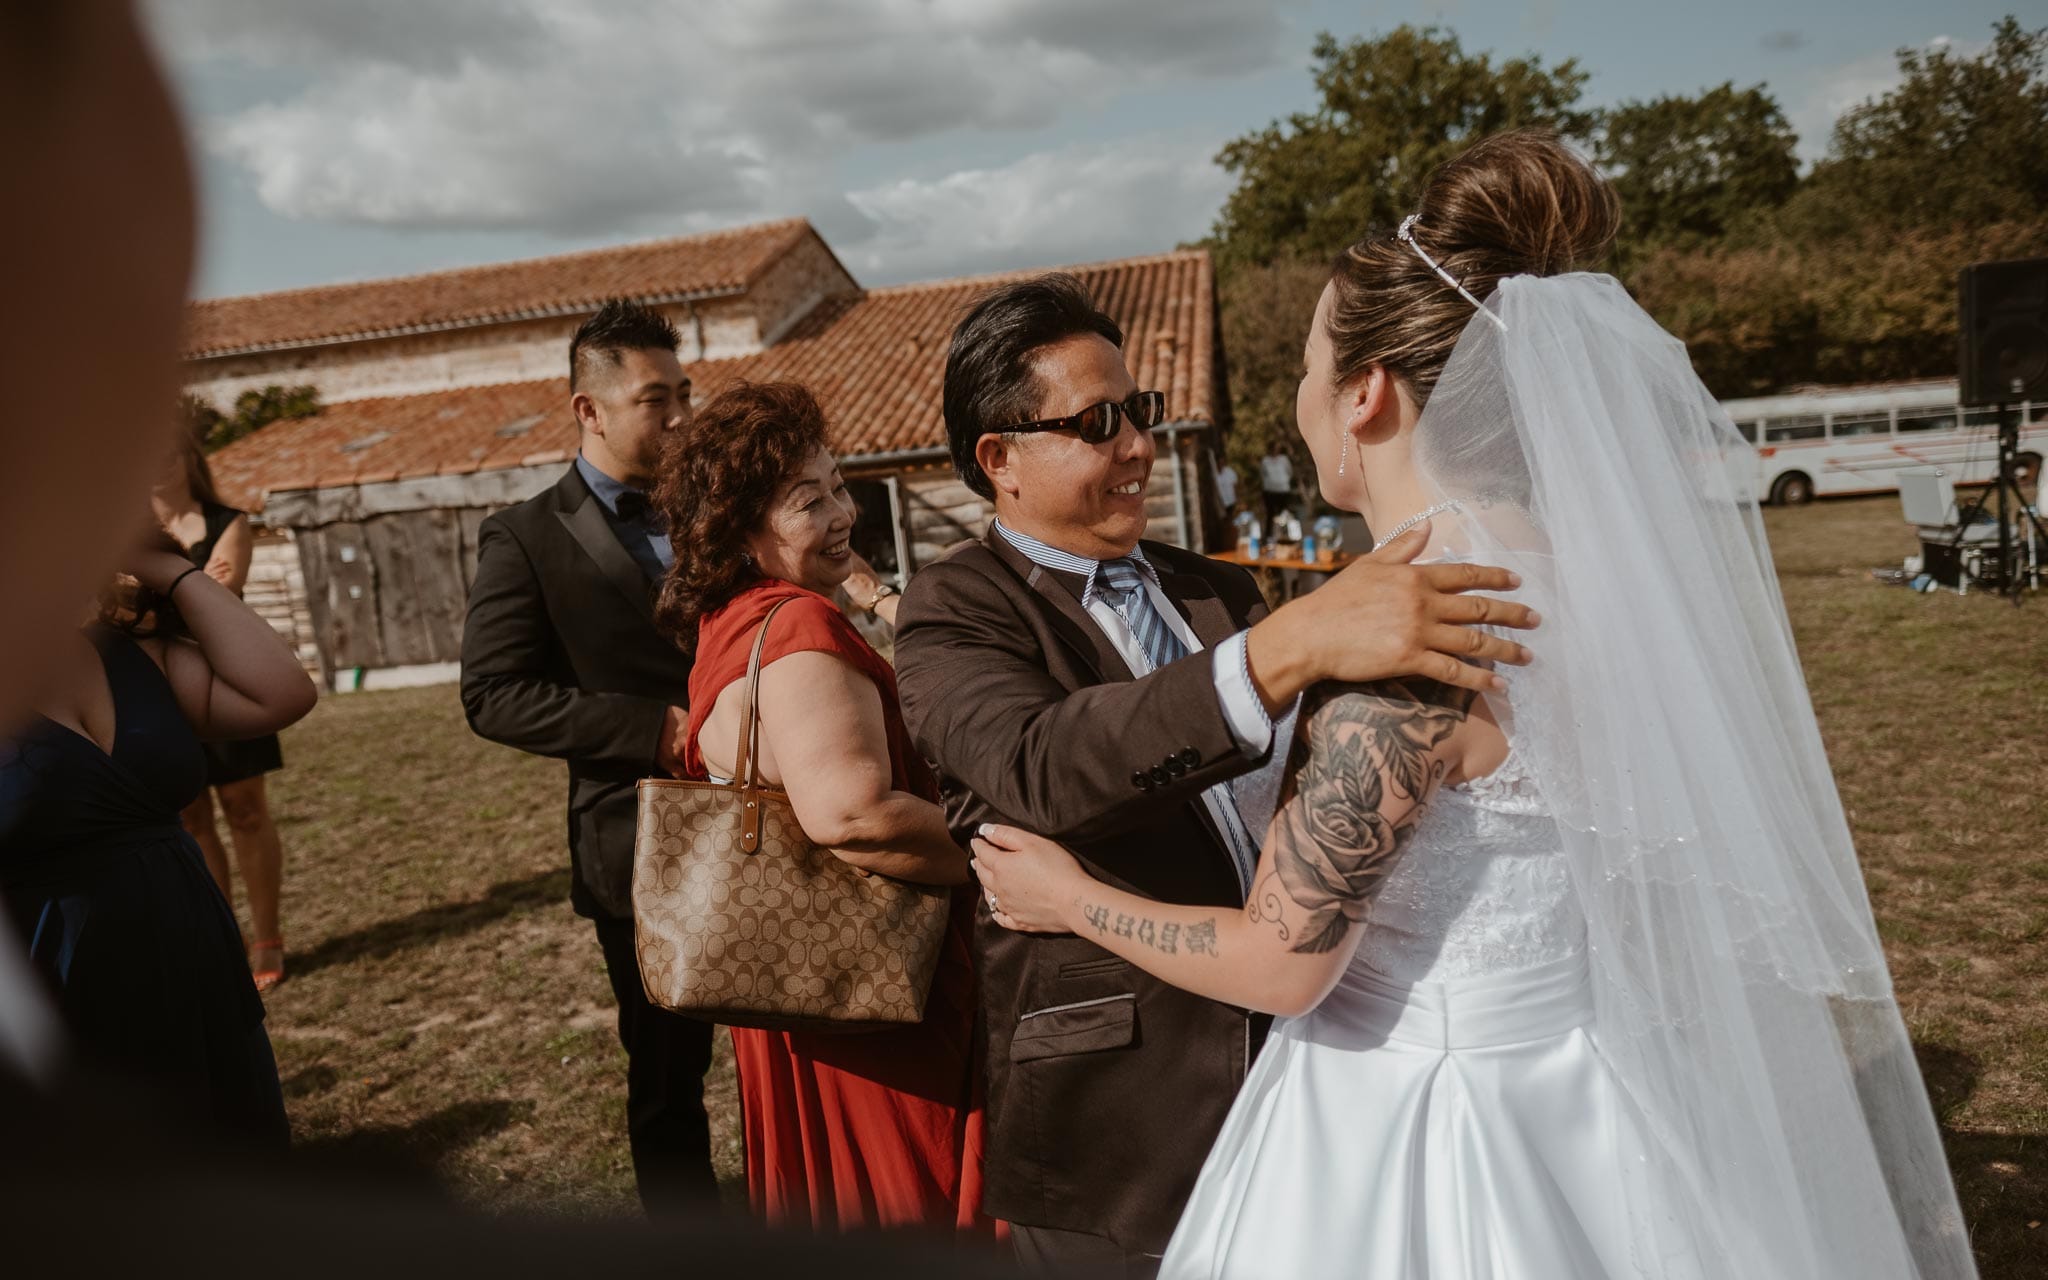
(1132, 700)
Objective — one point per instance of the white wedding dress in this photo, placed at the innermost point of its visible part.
(1445, 1113)
(1621, 1009)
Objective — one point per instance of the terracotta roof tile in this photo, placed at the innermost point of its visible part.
(687, 266)
(876, 361)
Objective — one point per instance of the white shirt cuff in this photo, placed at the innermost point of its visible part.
(1242, 709)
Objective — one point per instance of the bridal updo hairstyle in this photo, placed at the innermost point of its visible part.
(718, 476)
(1516, 203)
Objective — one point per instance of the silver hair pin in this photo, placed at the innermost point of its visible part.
(1407, 236)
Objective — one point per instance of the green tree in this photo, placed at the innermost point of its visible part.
(253, 411)
(1961, 141)
(1854, 277)
(1745, 314)
(1266, 308)
(1865, 305)
(1689, 170)
(1392, 108)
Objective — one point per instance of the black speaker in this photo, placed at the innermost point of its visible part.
(1943, 563)
(2003, 314)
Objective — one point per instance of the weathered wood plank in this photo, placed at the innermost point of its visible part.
(472, 519)
(353, 596)
(312, 544)
(398, 589)
(353, 630)
(315, 508)
(442, 583)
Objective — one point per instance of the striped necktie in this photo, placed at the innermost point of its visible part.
(1122, 582)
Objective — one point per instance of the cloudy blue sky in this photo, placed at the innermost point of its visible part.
(346, 141)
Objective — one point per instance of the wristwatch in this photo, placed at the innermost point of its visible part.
(882, 592)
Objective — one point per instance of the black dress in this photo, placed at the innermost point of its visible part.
(248, 757)
(120, 915)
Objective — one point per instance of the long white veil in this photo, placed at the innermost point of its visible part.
(1741, 993)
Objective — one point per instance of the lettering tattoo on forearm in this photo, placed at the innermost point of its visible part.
(1168, 938)
(1331, 845)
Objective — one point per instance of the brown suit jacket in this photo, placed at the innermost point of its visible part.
(1106, 1086)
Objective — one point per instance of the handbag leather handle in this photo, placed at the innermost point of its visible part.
(748, 753)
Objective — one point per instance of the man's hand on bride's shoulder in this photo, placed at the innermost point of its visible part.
(1383, 618)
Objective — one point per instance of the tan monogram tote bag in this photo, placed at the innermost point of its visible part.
(740, 919)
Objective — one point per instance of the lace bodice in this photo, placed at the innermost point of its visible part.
(1481, 889)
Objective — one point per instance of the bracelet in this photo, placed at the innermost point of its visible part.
(882, 592)
(173, 588)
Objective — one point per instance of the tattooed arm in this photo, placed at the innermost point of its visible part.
(1366, 761)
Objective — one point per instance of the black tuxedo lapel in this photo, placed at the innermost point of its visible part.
(586, 523)
(1070, 621)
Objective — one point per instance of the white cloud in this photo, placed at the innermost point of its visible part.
(477, 149)
(646, 115)
(406, 33)
(1141, 194)
(1836, 89)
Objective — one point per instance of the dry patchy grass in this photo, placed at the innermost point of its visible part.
(445, 1005)
(1935, 713)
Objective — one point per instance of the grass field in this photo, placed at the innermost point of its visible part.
(445, 1006)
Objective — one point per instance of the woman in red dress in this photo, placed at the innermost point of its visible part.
(879, 1129)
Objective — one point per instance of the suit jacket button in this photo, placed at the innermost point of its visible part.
(1141, 780)
(1176, 766)
(1190, 757)
(1160, 776)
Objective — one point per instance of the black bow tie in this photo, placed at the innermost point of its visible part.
(632, 506)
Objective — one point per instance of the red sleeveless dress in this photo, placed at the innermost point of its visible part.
(877, 1129)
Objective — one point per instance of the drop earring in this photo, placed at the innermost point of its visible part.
(1344, 458)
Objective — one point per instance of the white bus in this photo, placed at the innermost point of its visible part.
(1837, 440)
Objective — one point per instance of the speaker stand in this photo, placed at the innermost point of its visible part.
(2013, 577)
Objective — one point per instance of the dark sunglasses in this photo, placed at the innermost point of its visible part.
(1099, 423)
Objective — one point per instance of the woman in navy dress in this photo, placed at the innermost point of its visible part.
(103, 886)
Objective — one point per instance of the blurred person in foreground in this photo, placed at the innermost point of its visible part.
(561, 657)
(99, 1181)
(121, 918)
(1575, 975)
(84, 111)
(85, 118)
(883, 1128)
(217, 538)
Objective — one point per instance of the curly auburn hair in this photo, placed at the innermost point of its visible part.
(718, 476)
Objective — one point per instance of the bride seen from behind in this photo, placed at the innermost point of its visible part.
(1579, 980)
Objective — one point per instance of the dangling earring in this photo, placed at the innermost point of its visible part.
(1344, 458)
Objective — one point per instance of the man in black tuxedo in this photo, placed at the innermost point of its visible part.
(560, 657)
